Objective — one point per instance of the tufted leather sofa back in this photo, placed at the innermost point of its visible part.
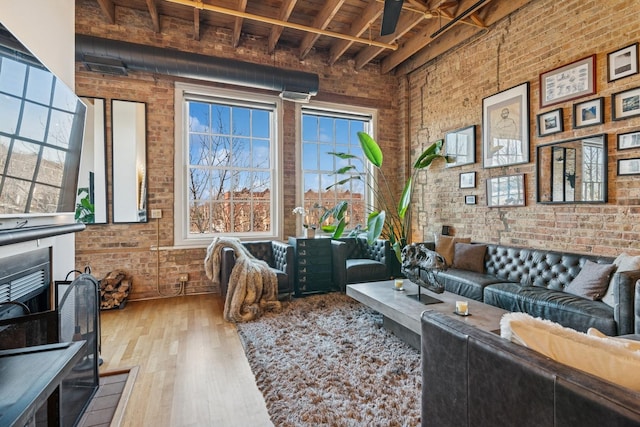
(261, 250)
(549, 269)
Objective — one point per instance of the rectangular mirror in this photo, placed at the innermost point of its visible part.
(91, 200)
(129, 161)
(573, 171)
(461, 145)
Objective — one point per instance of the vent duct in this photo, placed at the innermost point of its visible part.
(95, 52)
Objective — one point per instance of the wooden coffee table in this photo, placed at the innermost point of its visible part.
(401, 313)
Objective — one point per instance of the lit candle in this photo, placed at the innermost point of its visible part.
(398, 283)
(462, 307)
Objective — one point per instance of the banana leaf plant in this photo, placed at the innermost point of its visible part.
(390, 215)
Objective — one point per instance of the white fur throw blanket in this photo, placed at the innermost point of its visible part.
(253, 287)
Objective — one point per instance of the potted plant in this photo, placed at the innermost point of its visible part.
(85, 210)
(390, 215)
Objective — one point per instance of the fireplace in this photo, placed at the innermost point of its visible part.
(25, 279)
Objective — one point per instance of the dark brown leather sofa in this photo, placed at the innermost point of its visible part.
(533, 280)
(278, 255)
(354, 260)
(475, 378)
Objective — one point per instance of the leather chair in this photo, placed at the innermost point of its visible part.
(278, 255)
(355, 261)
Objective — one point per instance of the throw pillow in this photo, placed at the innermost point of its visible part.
(606, 359)
(469, 257)
(625, 263)
(592, 281)
(445, 246)
(628, 343)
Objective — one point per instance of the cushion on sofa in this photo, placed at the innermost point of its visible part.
(445, 246)
(600, 357)
(592, 281)
(623, 262)
(469, 257)
(630, 344)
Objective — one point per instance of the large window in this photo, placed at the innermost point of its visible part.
(326, 130)
(229, 181)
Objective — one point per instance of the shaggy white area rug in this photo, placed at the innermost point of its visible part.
(325, 360)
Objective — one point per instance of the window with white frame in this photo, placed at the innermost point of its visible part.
(228, 159)
(325, 130)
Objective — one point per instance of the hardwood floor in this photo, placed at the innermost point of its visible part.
(192, 368)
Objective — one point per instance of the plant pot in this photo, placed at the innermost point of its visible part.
(309, 233)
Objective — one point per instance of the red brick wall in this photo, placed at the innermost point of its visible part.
(128, 246)
(446, 94)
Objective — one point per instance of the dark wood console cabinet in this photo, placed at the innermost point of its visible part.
(313, 269)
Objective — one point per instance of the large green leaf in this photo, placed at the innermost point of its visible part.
(343, 170)
(405, 199)
(432, 150)
(371, 149)
(375, 223)
(343, 155)
(339, 229)
(343, 181)
(397, 248)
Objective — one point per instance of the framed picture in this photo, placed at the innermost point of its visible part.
(470, 200)
(505, 127)
(588, 113)
(629, 166)
(550, 122)
(623, 62)
(568, 82)
(468, 180)
(625, 104)
(461, 144)
(628, 140)
(505, 191)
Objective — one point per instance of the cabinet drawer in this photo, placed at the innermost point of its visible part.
(314, 269)
(322, 259)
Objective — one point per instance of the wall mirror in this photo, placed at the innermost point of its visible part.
(91, 201)
(573, 171)
(129, 161)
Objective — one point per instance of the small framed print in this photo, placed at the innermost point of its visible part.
(461, 144)
(588, 113)
(628, 140)
(629, 166)
(625, 104)
(550, 122)
(470, 200)
(623, 62)
(568, 82)
(468, 180)
(506, 191)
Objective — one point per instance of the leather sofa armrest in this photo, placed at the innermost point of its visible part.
(637, 309)
(227, 262)
(625, 297)
(283, 257)
(339, 263)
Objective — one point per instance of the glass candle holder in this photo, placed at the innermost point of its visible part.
(462, 307)
(398, 284)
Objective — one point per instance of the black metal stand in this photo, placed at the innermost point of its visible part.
(425, 299)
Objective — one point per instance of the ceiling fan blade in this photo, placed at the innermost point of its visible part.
(390, 16)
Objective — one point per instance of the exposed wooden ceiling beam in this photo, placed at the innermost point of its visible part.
(421, 39)
(196, 24)
(405, 24)
(285, 12)
(153, 11)
(237, 27)
(109, 9)
(492, 13)
(359, 26)
(272, 21)
(321, 21)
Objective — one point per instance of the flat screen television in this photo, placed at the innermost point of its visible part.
(41, 132)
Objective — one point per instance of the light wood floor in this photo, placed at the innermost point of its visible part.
(192, 368)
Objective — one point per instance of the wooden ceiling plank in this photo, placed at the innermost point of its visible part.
(477, 20)
(109, 9)
(359, 26)
(405, 24)
(321, 21)
(494, 12)
(153, 11)
(418, 41)
(196, 24)
(237, 26)
(285, 12)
